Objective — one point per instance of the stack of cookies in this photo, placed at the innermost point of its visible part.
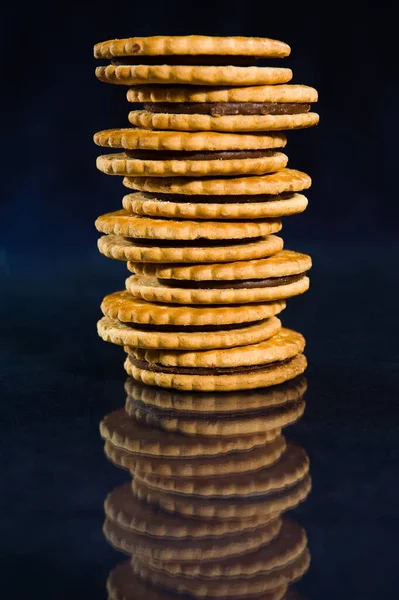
(207, 185)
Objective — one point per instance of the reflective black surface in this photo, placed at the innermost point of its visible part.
(59, 381)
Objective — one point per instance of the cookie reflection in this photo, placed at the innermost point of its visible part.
(204, 514)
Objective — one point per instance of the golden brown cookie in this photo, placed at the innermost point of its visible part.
(272, 206)
(187, 45)
(225, 123)
(218, 403)
(209, 425)
(120, 248)
(112, 330)
(207, 164)
(286, 180)
(259, 93)
(126, 433)
(132, 226)
(192, 75)
(230, 380)
(284, 345)
(125, 308)
(158, 547)
(236, 462)
(152, 290)
(245, 507)
(132, 138)
(291, 468)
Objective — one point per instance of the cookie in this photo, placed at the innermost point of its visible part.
(236, 462)
(217, 403)
(292, 467)
(225, 123)
(154, 163)
(132, 74)
(279, 276)
(262, 208)
(132, 138)
(125, 308)
(285, 547)
(132, 226)
(287, 551)
(223, 381)
(120, 248)
(229, 425)
(127, 434)
(286, 180)
(233, 508)
(193, 45)
(241, 334)
(151, 549)
(227, 95)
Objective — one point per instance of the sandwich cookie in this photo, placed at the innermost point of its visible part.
(274, 566)
(219, 403)
(142, 324)
(180, 251)
(277, 277)
(266, 363)
(134, 227)
(236, 462)
(270, 196)
(129, 435)
(186, 549)
(228, 154)
(193, 60)
(291, 468)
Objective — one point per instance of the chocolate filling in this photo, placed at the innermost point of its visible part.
(219, 109)
(189, 328)
(206, 199)
(186, 59)
(236, 284)
(198, 243)
(205, 155)
(147, 366)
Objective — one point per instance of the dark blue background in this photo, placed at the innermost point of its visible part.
(59, 380)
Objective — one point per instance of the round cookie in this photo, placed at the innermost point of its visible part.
(186, 45)
(132, 138)
(127, 309)
(245, 123)
(205, 164)
(290, 93)
(245, 507)
(234, 463)
(112, 330)
(207, 426)
(286, 180)
(279, 276)
(120, 248)
(291, 468)
(124, 432)
(218, 403)
(122, 223)
(284, 205)
(125, 74)
(229, 381)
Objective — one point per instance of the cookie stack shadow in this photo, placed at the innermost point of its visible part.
(199, 319)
